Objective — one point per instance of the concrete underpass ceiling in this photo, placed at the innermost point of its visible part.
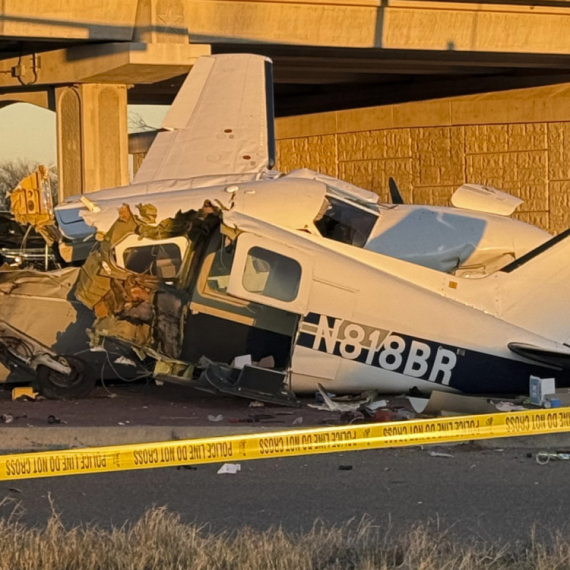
(315, 79)
(309, 80)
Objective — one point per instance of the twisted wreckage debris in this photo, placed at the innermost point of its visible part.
(243, 280)
(140, 307)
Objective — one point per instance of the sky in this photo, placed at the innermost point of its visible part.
(28, 132)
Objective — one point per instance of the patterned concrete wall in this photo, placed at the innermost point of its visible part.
(529, 159)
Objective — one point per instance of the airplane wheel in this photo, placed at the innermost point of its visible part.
(57, 386)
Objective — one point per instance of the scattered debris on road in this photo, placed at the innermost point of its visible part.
(54, 420)
(24, 393)
(440, 454)
(544, 457)
(229, 469)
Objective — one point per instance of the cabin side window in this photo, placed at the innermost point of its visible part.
(158, 258)
(220, 270)
(271, 275)
(161, 261)
(344, 222)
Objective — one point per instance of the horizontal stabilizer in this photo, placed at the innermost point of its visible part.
(533, 290)
(550, 356)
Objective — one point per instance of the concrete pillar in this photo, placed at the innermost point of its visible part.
(92, 140)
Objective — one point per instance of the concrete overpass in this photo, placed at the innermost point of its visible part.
(86, 61)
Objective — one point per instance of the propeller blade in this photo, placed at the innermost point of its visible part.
(394, 192)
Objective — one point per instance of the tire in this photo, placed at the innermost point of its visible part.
(57, 386)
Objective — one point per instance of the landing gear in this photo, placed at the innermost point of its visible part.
(56, 385)
(55, 377)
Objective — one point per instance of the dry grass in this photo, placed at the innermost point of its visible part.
(160, 540)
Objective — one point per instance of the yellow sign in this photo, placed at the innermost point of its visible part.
(282, 444)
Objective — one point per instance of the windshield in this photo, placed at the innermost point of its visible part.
(345, 222)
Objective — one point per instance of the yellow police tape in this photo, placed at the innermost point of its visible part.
(282, 444)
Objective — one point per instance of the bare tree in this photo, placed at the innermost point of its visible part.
(137, 124)
(12, 171)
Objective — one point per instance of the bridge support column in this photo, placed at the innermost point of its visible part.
(92, 140)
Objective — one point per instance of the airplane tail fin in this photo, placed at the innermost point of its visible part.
(221, 122)
(535, 289)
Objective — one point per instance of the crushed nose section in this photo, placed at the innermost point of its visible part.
(131, 290)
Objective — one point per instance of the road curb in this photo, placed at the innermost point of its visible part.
(27, 439)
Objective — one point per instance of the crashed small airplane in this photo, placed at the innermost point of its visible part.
(212, 269)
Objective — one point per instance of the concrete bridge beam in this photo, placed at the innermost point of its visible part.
(499, 27)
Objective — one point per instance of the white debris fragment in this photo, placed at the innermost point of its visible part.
(439, 454)
(124, 360)
(508, 407)
(373, 406)
(217, 418)
(241, 361)
(229, 468)
(332, 406)
(298, 421)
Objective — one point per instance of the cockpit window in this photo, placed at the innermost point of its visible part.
(272, 275)
(160, 260)
(344, 222)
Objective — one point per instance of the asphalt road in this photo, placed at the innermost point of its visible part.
(483, 494)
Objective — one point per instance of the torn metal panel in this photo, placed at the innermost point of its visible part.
(55, 284)
(251, 382)
(444, 403)
(19, 349)
(169, 323)
(172, 370)
(130, 305)
(31, 203)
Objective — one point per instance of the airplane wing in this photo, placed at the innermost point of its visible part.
(221, 122)
(557, 358)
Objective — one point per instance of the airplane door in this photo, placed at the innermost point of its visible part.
(271, 273)
(315, 359)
